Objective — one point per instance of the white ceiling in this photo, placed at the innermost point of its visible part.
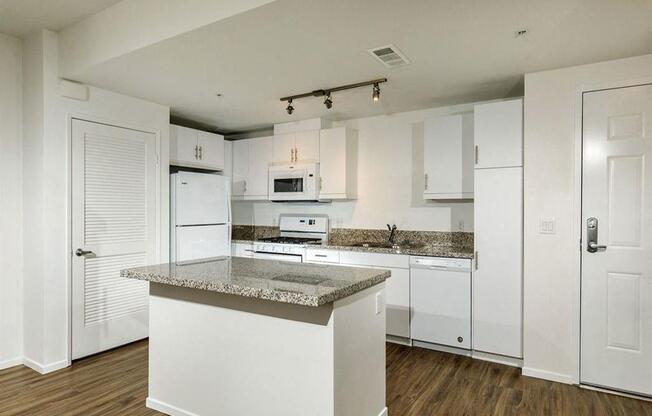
(460, 51)
(21, 17)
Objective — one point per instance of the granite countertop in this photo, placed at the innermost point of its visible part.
(429, 250)
(296, 283)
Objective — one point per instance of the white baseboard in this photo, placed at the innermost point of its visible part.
(499, 359)
(548, 375)
(45, 368)
(398, 340)
(384, 412)
(11, 363)
(166, 408)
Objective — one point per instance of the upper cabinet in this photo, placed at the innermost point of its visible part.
(296, 147)
(448, 157)
(499, 134)
(251, 160)
(196, 149)
(338, 156)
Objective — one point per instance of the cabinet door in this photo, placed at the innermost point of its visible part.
(498, 271)
(283, 149)
(183, 145)
(306, 145)
(448, 157)
(240, 167)
(260, 156)
(499, 134)
(211, 150)
(398, 303)
(332, 162)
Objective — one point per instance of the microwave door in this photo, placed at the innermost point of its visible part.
(289, 185)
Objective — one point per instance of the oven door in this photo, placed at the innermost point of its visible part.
(294, 258)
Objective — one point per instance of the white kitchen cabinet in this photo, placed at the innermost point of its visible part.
(260, 157)
(293, 147)
(316, 255)
(196, 149)
(448, 157)
(397, 287)
(240, 167)
(251, 160)
(498, 270)
(242, 249)
(338, 156)
(498, 134)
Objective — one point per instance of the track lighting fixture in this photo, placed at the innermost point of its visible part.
(328, 102)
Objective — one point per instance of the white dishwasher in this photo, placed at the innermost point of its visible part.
(440, 294)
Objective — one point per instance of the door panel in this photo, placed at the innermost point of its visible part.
(498, 134)
(114, 184)
(498, 274)
(204, 199)
(183, 144)
(283, 147)
(211, 149)
(240, 167)
(202, 242)
(616, 330)
(307, 145)
(260, 157)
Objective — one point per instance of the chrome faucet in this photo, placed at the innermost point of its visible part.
(392, 233)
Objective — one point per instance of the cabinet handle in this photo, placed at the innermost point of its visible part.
(321, 183)
(245, 187)
(201, 152)
(321, 255)
(477, 154)
(476, 260)
(196, 152)
(425, 178)
(296, 154)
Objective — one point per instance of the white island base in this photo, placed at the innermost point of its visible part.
(225, 355)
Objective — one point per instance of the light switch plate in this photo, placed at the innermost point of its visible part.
(547, 225)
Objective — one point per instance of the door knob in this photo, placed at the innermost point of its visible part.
(79, 252)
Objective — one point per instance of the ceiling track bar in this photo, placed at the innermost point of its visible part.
(321, 93)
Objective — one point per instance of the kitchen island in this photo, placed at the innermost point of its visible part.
(240, 336)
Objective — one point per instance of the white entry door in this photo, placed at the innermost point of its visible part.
(114, 184)
(617, 268)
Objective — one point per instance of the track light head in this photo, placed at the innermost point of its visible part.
(328, 102)
(290, 108)
(376, 93)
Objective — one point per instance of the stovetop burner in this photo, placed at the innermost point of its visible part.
(290, 240)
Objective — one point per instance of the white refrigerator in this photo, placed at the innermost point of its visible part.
(200, 216)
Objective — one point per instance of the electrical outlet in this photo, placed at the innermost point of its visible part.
(379, 303)
(547, 225)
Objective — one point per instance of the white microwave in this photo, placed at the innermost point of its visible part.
(297, 182)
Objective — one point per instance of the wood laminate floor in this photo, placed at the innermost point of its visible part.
(419, 383)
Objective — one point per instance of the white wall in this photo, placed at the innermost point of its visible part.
(10, 201)
(47, 192)
(551, 288)
(390, 182)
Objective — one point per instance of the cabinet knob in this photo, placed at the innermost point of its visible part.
(201, 152)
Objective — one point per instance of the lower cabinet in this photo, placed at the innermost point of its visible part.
(242, 250)
(397, 287)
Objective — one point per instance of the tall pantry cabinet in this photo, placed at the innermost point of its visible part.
(498, 223)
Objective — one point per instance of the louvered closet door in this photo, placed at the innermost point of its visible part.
(114, 219)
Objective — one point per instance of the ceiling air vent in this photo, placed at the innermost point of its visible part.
(389, 56)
